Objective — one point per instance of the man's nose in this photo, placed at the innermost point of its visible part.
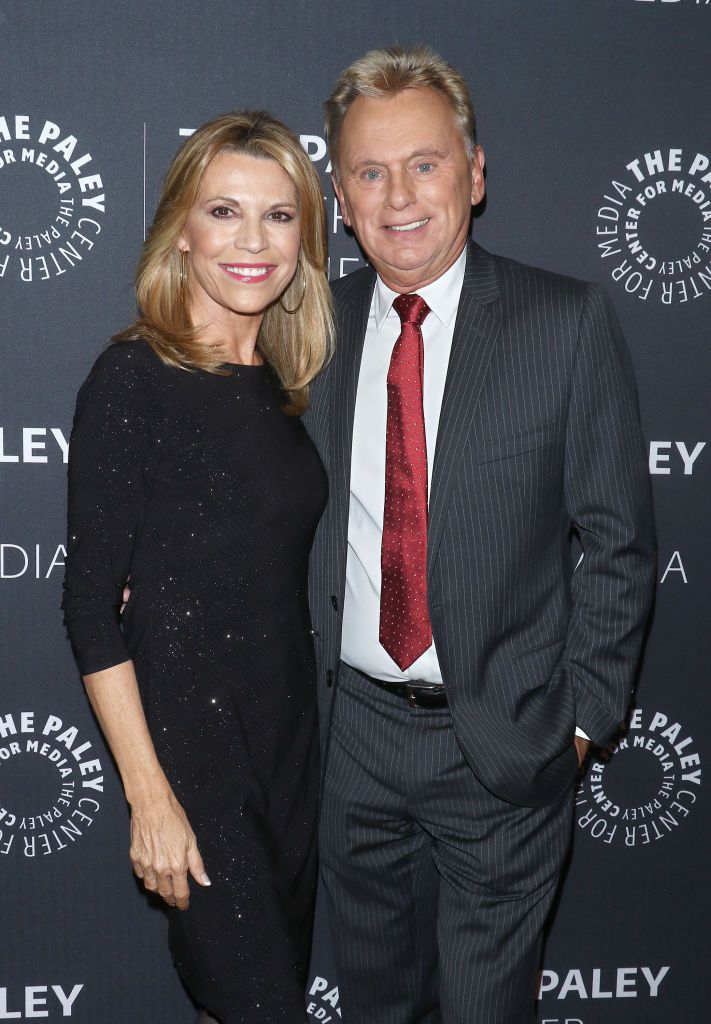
(400, 192)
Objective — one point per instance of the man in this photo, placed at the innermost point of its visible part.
(467, 429)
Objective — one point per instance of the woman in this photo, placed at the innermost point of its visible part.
(191, 473)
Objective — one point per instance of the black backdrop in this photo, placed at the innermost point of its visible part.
(595, 117)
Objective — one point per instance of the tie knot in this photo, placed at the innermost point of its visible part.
(412, 309)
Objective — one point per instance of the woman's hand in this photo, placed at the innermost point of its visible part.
(163, 847)
(163, 850)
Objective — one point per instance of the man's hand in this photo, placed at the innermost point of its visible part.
(582, 746)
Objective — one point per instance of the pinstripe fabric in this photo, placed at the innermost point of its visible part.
(464, 820)
(329, 421)
(539, 430)
(439, 890)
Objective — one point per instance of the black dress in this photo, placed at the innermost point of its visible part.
(202, 490)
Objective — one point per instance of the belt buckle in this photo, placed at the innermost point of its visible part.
(415, 692)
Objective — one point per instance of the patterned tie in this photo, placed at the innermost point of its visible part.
(405, 629)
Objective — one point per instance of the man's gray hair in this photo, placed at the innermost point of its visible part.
(389, 71)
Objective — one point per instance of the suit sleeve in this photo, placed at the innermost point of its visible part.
(108, 470)
(607, 493)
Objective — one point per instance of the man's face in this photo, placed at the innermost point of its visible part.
(407, 185)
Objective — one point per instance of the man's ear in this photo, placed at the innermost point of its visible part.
(478, 182)
(338, 189)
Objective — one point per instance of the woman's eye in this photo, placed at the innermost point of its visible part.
(221, 212)
(281, 216)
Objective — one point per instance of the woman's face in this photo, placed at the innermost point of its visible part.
(243, 236)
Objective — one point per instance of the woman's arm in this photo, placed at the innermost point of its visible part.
(163, 847)
(111, 466)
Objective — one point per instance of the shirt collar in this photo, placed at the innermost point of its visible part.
(442, 295)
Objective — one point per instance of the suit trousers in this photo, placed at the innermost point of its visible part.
(438, 890)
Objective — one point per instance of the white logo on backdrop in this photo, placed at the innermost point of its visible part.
(50, 785)
(51, 199)
(674, 457)
(623, 983)
(53, 1001)
(674, 569)
(322, 1003)
(37, 561)
(34, 444)
(654, 227)
(643, 787)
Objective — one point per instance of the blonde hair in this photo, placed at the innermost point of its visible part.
(389, 71)
(297, 345)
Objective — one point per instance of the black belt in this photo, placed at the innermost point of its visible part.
(431, 697)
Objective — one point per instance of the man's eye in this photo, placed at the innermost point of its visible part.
(372, 174)
(425, 168)
(221, 212)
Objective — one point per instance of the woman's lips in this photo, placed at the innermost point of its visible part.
(249, 273)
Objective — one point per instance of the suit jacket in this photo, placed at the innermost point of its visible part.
(539, 435)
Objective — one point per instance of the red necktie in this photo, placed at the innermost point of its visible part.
(405, 629)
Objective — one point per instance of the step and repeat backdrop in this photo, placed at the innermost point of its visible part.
(595, 116)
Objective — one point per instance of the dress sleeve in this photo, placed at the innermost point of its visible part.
(109, 477)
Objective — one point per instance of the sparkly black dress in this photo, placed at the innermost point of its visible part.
(207, 495)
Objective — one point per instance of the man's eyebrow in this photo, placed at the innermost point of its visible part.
(415, 155)
(427, 152)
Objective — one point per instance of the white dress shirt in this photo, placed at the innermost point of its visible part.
(360, 646)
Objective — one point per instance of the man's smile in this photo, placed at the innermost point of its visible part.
(412, 226)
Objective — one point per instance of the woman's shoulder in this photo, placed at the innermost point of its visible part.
(127, 357)
(126, 374)
(125, 363)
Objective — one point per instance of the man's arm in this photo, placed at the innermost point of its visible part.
(607, 495)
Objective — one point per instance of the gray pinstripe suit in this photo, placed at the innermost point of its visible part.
(538, 433)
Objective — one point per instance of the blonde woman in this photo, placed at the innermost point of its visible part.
(190, 472)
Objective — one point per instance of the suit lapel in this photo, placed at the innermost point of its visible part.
(476, 331)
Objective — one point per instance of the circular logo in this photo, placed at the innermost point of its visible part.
(653, 227)
(52, 200)
(51, 785)
(322, 1001)
(643, 787)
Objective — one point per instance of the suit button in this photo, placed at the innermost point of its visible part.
(334, 602)
(329, 678)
